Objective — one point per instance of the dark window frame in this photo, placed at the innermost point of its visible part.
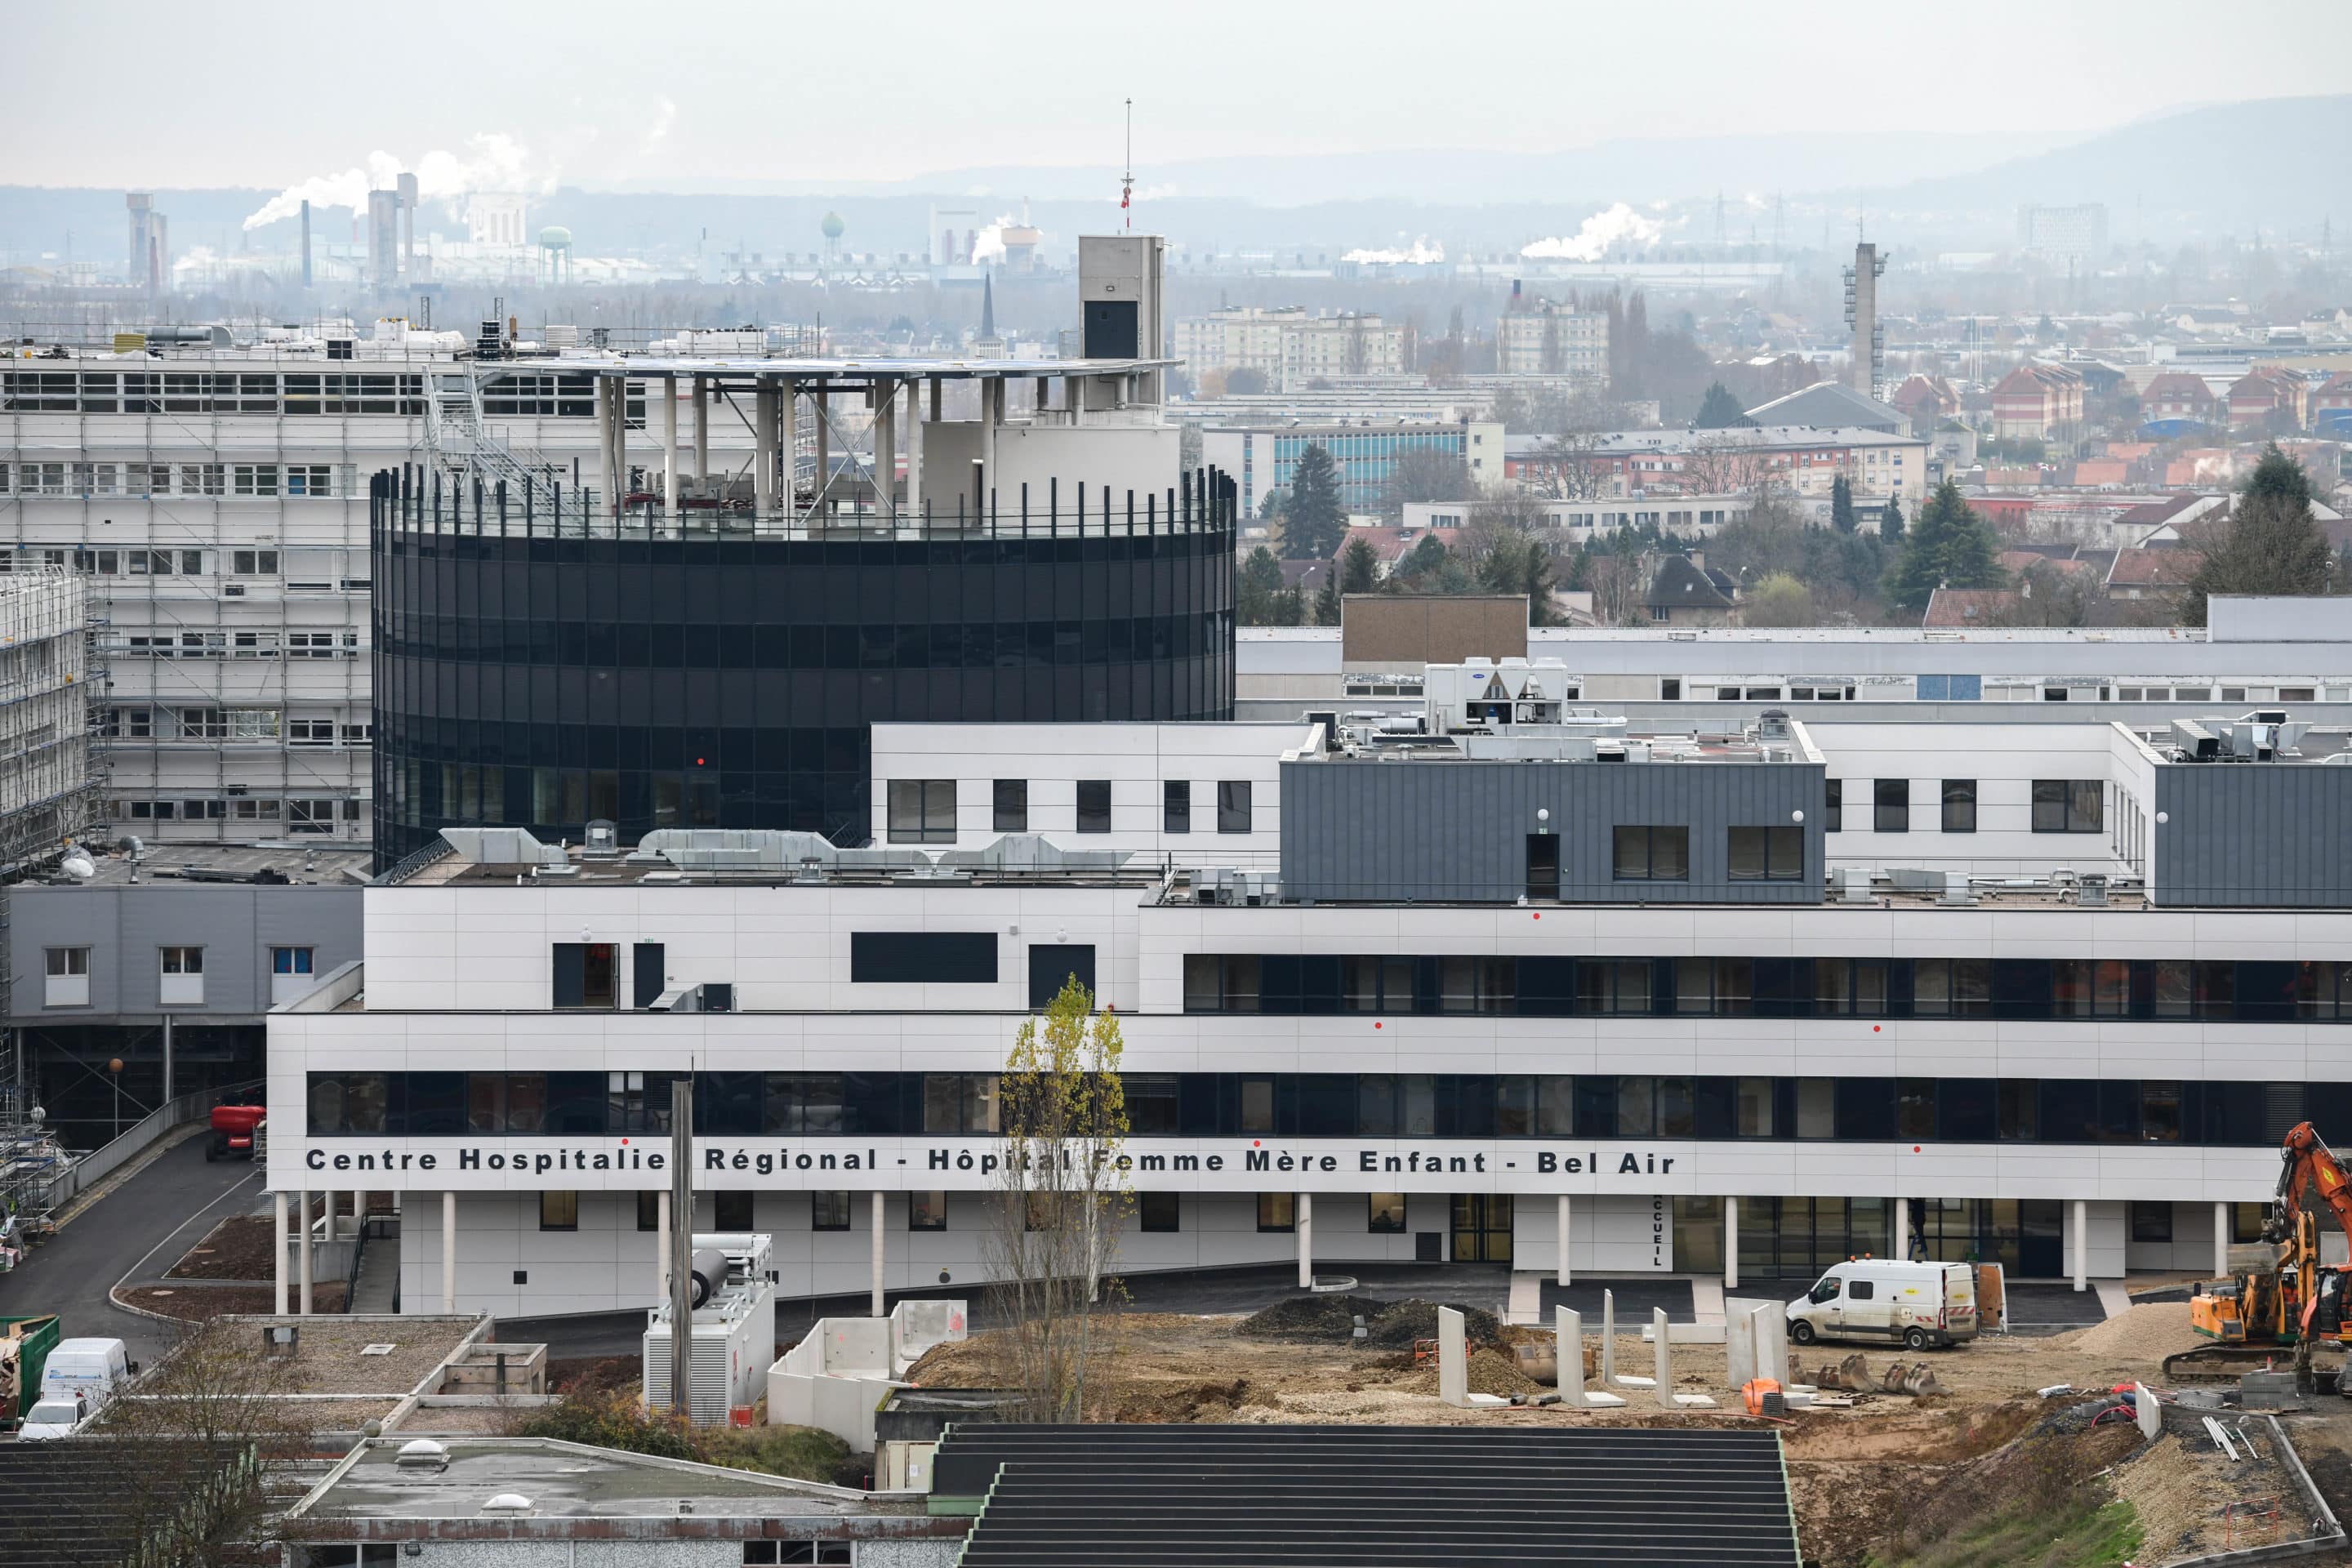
(2069, 805)
(1092, 806)
(1621, 843)
(1890, 806)
(1008, 806)
(1175, 806)
(1960, 803)
(1233, 805)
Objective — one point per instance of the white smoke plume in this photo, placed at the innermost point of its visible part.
(1423, 252)
(988, 244)
(491, 161)
(1619, 228)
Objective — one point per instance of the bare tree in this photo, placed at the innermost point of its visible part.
(1718, 464)
(1568, 468)
(1063, 1197)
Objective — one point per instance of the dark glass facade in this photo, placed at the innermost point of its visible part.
(540, 679)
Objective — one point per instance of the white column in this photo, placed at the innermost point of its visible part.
(821, 406)
(669, 446)
(661, 1244)
(305, 1306)
(2220, 1241)
(1560, 1204)
(885, 448)
(764, 442)
(877, 1253)
(1731, 1244)
(1306, 1240)
(991, 409)
(1901, 1231)
(788, 439)
(448, 1251)
(915, 450)
(278, 1263)
(2082, 1244)
(701, 428)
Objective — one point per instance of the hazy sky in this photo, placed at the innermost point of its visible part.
(688, 97)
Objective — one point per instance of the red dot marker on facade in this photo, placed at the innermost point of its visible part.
(1874, 1028)
(1375, 1025)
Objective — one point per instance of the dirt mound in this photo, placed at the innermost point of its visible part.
(2148, 1331)
(1209, 1402)
(1312, 1317)
(1396, 1326)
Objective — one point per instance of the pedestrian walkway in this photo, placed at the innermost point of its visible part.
(377, 1289)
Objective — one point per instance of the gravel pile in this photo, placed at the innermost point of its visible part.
(2148, 1331)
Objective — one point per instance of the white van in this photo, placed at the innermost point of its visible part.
(55, 1417)
(1918, 1304)
(95, 1369)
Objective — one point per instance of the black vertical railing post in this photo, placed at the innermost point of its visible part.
(1130, 514)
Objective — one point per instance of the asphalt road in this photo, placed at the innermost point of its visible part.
(136, 1231)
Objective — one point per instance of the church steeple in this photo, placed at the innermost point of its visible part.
(987, 307)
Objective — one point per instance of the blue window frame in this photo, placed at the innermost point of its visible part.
(291, 960)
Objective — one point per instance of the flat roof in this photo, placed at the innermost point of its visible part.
(561, 1480)
(172, 865)
(831, 367)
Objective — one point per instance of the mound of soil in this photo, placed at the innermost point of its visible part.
(2148, 1330)
(1208, 1403)
(1397, 1325)
(1388, 1325)
(1329, 1318)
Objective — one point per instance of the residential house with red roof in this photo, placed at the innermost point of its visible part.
(2037, 402)
(2177, 394)
(2269, 398)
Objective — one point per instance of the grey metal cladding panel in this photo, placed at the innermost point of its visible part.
(125, 928)
(1447, 832)
(2254, 836)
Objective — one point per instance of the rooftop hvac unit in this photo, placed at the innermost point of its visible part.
(2092, 893)
(2197, 743)
(733, 1331)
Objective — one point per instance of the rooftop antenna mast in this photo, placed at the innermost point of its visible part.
(1127, 176)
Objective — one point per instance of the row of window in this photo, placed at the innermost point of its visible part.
(236, 644)
(923, 811)
(1543, 986)
(1340, 1105)
(2060, 806)
(928, 1211)
(226, 724)
(308, 814)
(75, 478)
(208, 392)
(1007, 644)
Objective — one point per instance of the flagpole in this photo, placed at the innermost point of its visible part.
(1127, 178)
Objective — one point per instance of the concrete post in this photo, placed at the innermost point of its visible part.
(915, 450)
(669, 446)
(2220, 1241)
(661, 1245)
(885, 448)
(821, 406)
(1662, 1358)
(448, 1251)
(877, 1253)
(305, 1245)
(701, 428)
(1306, 1241)
(763, 466)
(278, 1263)
(1901, 1231)
(605, 436)
(167, 1056)
(1562, 1219)
(2081, 1244)
(991, 409)
(1730, 1243)
(1452, 1359)
(787, 425)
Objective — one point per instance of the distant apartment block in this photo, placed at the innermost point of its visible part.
(2077, 234)
(1264, 460)
(1805, 460)
(1534, 336)
(2037, 402)
(1291, 349)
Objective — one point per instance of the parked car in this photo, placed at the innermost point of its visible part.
(1919, 1304)
(53, 1417)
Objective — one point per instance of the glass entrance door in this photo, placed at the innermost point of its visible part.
(1482, 1227)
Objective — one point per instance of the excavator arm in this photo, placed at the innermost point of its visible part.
(2308, 1167)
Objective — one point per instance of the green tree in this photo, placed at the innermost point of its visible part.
(1326, 600)
(1245, 382)
(1517, 562)
(1290, 608)
(1841, 515)
(2270, 544)
(1312, 520)
(1720, 410)
(1359, 569)
(1420, 564)
(1890, 522)
(1261, 582)
(1062, 1113)
(1779, 600)
(1947, 545)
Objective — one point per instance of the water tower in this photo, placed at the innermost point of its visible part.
(833, 228)
(555, 254)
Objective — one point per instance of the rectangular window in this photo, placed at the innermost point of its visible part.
(1768, 854)
(2091, 988)
(1159, 1213)
(732, 1210)
(1833, 805)
(922, 957)
(559, 1211)
(927, 1211)
(1619, 985)
(649, 1207)
(1176, 805)
(1387, 1214)
(1959, 806)
(923, 811)
(68, 982)
(1652, 854)
(828, 1210)
(291, 960)
(1094, 806)
(1053, 965)
(1849, 987)
(1951, 987)
(584, 975)
(1220, 983)
(1890, 803)
(2067, 805)
(1233, 805)
(1277, 1211)
(2151, 1222)
(1010, 806)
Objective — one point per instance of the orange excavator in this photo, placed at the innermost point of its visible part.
(2279, 1297)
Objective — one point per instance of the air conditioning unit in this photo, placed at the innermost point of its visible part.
(232, 590)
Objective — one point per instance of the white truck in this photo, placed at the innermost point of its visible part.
(1914, 1304)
